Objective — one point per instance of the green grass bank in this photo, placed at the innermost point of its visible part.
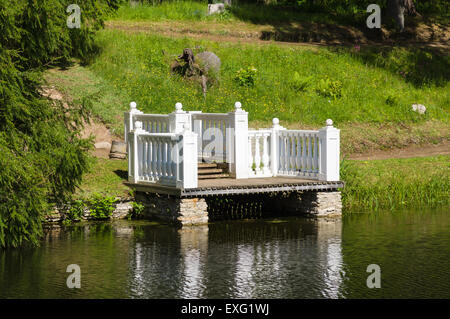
(395, 183)
(293, 84)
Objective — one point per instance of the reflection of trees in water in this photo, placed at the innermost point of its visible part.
(41, 272)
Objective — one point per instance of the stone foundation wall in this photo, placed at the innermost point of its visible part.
(198, 211)
(320, 204)
(180, 211)
(121, 211)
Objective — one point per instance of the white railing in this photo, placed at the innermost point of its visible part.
(213, 131)
(298, 153)
(168, 159)
(165, 149)
(153, 123)
(259, 153)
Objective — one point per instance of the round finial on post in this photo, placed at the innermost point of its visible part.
(329, 122)
(275, 121)
(178, 107)
(138, 125)
(238, 106)
(133, 106)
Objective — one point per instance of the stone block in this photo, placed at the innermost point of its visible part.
(216, 8)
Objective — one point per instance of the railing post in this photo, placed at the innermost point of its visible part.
(239, 147)
(128, 119)
(197, 128)
(274, 146)
(188, 161)
(133, 152)
(179, 119)
(329, 152)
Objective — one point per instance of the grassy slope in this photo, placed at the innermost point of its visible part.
(135, 65)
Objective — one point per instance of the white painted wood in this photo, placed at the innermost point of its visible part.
(214, 135)
(265, 157)
(257, 155)
(297, 153)
(160, 147)
(251, 172)
(329, 152)
(189, 162)
(129, 119)
(239, 164)
(179, 119)
(258, 150)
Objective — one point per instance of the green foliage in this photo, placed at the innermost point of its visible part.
(42, 157)
(421, 67)
(350, 12)
(101, 207)
(75, 210)
(392, 99)
(246, 76)
(329, 88)
(138, 210)
(300, 84)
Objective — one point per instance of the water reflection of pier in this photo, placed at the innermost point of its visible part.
(257, 259)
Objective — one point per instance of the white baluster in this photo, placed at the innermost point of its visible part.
(169, 159)
(222, 134)
(164, 158)
(144, 158)
(309, 153)
(292, 158)
(282, 154)
(174, 160)
(257, 156)
(250, 156)
(265, 157)
(159, 167)
(149, 159)
(224, 141)
(316, 154)
(304, 159)
(288, 155)
(155, 159)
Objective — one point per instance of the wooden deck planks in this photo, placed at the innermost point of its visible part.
(230, 182)
(230, 186)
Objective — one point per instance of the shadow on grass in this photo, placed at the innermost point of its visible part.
(121, 173)
(340, 25)
(419, 66)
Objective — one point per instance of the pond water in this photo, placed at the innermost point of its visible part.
(269, 258)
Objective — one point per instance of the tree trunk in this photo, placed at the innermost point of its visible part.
(397, 9)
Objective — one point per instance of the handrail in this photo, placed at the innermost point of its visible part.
(165, 148)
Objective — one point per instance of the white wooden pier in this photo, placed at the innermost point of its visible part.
(190, 154)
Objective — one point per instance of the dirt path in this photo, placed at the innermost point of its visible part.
(291, 34)
(408, 152)
(102, 135)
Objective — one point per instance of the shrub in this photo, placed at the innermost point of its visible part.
(137, 211)
(101, 207)
(246, 77)
(300, 84)
(75, 211)
(392, 100)
(329, 88)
